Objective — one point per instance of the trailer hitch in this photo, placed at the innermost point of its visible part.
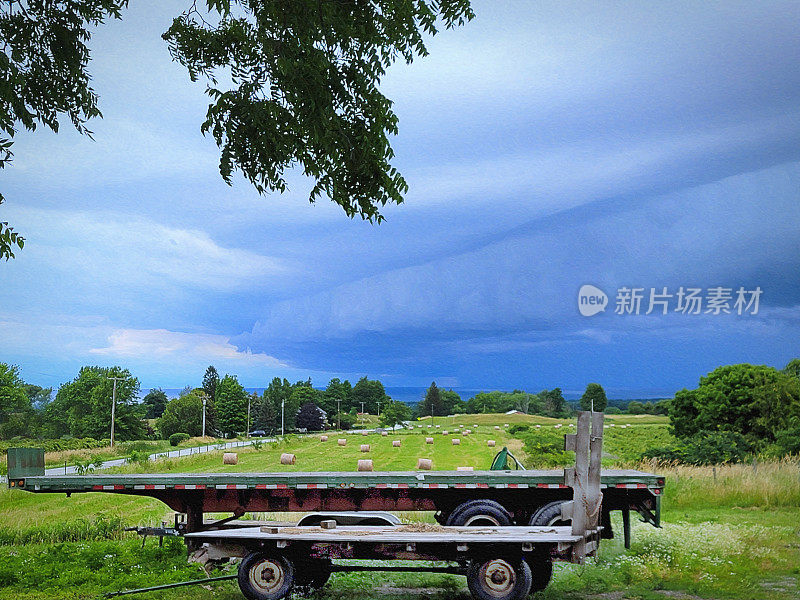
(160, 532)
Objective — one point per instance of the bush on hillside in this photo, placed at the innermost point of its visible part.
(177, 438)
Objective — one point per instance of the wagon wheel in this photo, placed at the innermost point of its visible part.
(479, 513)
(265, 577)
(499, 578)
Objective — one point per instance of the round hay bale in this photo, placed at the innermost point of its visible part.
(230, 458)
(490, 443)
(384, 433)
(497, 426)
(396, 443)
(365, 465)
(364, 433)
(445, 432)
(424, 464)
(505, 424)
(465, 468)
(456, 442)
(342, 442)
(467, 432)
(365, 447)
(438, 426)
(287, 459)
(428, 440)
(323, 438)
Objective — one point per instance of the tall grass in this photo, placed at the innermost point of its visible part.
(774, 483)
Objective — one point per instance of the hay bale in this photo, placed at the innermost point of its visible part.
(428, 440)
(364, 465)
(445, 432)
(456, 442)
(364, 433)
(396, 443)
(490, 443)
(365, 447)
(497, 426)
(467, 432)
(287, 459)
(505, 424)
(438, 426)
(342, 442)
(323, 438)
(465, 468)
(384, 433)
(424, 464)
(230, 458)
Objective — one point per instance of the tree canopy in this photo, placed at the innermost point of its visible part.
(756, 401)
(155, 402)
(231, 405)
(594, 398)
(304, 84)
(183, 415)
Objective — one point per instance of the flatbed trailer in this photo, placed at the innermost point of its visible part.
(503, 496)
(500, 563)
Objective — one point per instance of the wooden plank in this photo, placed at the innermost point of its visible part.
(400, 535)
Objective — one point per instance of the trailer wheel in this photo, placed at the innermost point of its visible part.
(265, 577)
(549, 515)
(541, 570)
(313, 573)
(499, 578)
(479, 513)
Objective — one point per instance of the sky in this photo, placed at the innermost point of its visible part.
(548, 146)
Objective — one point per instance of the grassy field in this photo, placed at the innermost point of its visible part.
(729, 533)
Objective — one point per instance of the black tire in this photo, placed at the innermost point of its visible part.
(541, 565)
(480, 513)
(499, 578)
(313, 573)
(265, 577)
(549, 515)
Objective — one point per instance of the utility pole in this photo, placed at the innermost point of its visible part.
(114, 405)
(339, 414)
(205, 398)
(283, 405)
(379, 409)
(248, 414)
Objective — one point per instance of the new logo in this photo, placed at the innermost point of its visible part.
(591, 300)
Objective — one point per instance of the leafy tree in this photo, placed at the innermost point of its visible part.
(304, 76)
(370, 392)
(451, 402)
(182, 415)
(231, 404)
(82, 407)
(344, 419)
(16, 411)
(39, 396)
(44, 73)
(301, 395)
(210, 381)
(278, 391)
(553, 403)
(310, 417)
(793, 368)
(395, 413)
(336, 390)
(264, 415)
(754, 400)
(594, 397)
(431, 404)
(155, 402)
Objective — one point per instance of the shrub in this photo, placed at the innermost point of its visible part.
(718, 447)
(177, 438)
(138, 457)
(518, 428)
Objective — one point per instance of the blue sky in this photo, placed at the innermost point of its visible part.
(547, 145)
